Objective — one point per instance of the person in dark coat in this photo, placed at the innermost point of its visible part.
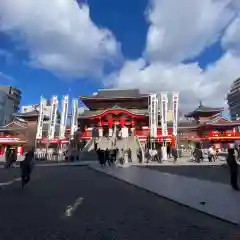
(26, 167)
(107, 157)
(129, 155)
(233, 167)
(99, 156)
(174, 154)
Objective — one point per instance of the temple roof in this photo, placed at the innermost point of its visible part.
(33, 113)
(201, 110)
(15, 125)
(90, 113)
(116, 93)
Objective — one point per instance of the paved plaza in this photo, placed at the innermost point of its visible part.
(81, 203)
(214, 173)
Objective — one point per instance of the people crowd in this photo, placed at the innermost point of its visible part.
(112, 156)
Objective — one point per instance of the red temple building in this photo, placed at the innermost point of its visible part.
(20, 133)
(128, 111)
(208, 126)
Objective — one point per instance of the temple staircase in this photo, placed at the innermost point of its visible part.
(133, 145)
(88, 153)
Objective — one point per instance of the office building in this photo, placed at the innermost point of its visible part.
(233, 99)
(10, 98)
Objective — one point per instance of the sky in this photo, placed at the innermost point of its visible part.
(76, 47)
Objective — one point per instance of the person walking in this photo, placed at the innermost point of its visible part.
(210, 154)
(107, 157)
(26, 167)
(233, 167)
(174, 154)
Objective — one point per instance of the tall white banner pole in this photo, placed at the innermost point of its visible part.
(64, 117)
(40, 120)
(52, 122)
(63, 124)
(74, 122)
(39, 132)
(153, 116)
(175, 103)
(164, 111)
(53, 118)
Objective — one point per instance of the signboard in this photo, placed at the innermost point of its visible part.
(6, 140)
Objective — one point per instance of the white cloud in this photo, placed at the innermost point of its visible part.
(231, 39)
(192, 82)
(59, 35)
(181, 30)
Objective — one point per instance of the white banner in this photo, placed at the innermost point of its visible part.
(175, 103)
(164, 114)
(40, 119)
(153, 115)
(74, 122)
(53, 118)
(64, 117)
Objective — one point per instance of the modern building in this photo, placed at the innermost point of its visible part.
(10, 98)
(233, 99)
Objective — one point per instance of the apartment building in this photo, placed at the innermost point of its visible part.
(10, 98)
(233, 99)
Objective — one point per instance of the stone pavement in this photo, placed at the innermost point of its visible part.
(79, 203)
(182, 161)
(213, 198)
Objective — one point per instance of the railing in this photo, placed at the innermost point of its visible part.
(88, 145)
(140, 147)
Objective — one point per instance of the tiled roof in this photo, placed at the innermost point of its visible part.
(204, 109)
(27, 114)
(116, 93)
(90, 113)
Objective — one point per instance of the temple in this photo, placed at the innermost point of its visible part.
(208, 126)
(125, 113)
(125, 110)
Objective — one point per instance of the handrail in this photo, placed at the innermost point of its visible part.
(88, 145)
(141, 147)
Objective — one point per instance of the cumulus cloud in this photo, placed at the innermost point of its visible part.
(59, 35)
(182, 30)
(231, 39)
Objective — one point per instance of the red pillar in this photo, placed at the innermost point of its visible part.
(133, 123)
(110, 122)
(122, 122)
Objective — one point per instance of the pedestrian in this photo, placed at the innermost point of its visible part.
(174, 154)
(107, 157)
(210, 154)
(129, 155)
(233, 167)
(26, 167)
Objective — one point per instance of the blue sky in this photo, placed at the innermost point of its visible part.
(152, 45)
